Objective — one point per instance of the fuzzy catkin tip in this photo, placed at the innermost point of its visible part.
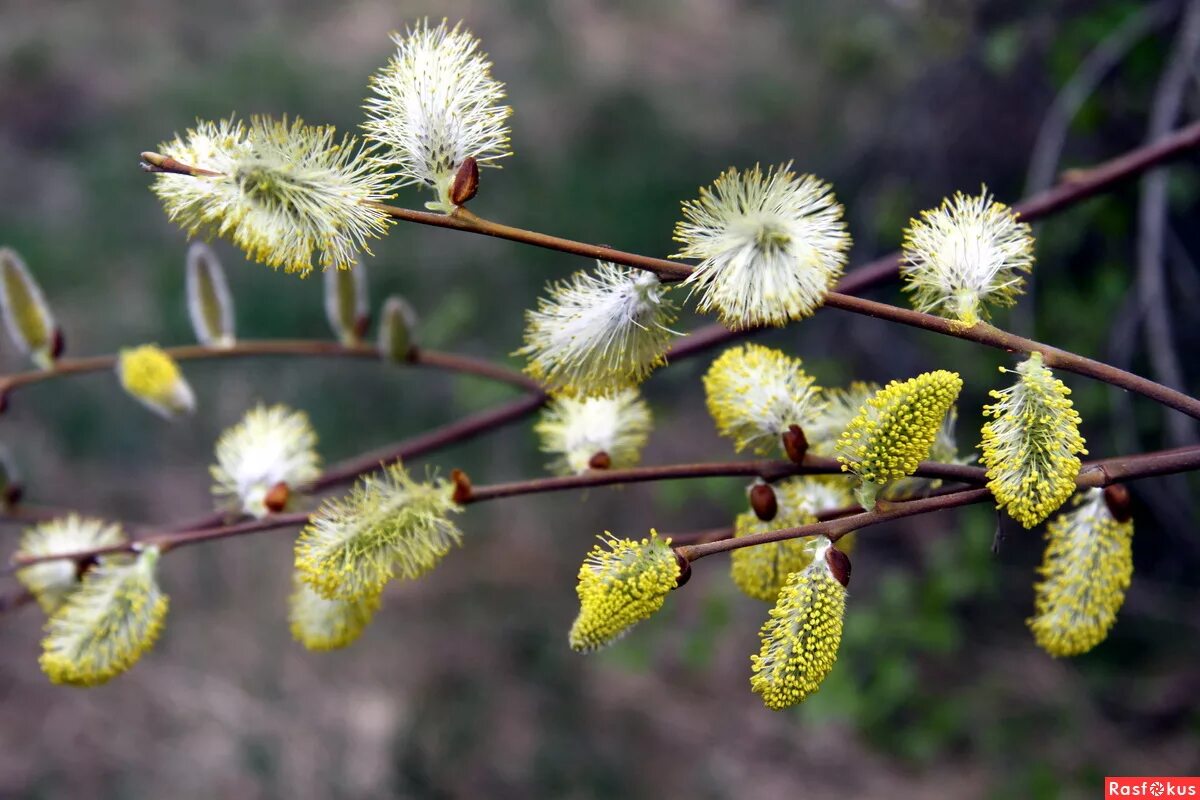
(621, 583)
(322, 624)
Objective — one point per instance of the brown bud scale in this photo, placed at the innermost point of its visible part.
(1119, 503)
(839, 565)
(462, 486)
(600, 460)
(276, 499)
(466, 182)
(764, 502)
(795, 444)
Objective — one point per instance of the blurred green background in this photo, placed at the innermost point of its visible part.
(464, 685)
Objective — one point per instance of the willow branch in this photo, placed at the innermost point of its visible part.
(433, 359)
(991, 336)
(768, 470)
(1093, 474)
(981, 333)
(1075, 187)
(837, 528)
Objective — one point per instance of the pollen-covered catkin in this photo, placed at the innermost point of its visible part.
(388, 526)
(1031, 446)
(576, 430)
(271, 445)
(434, 105)
(151, 376)
(771, 245)
(970, 252)
(599, 332)
(290, 195)
(896, 429)
(621, 583)
(1087, 567)
(801, 637)
(319, 623)
(755, 393)
(107, 624)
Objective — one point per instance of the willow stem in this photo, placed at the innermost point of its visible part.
(1094, 474)
(450, 362)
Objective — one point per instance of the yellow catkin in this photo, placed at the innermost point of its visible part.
(621, 583)
(761, 571)
(319, 623)
(969, 253)
(152, 377)
(388, 526)
(755, 393)
(895, 430)
(1085, 571)
(1031, 446)
(107, 624)
(801, 637)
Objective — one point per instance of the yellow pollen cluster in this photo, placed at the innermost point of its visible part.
(895, 430)
(107, 624)
(756, 393)
(319, 623)
(801, 637)
(1031, 445)
(152, 377)
(388, 526)
(1085, 571)
(620, 586)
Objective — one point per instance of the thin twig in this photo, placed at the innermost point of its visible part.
(1075, 187)
(280, 347)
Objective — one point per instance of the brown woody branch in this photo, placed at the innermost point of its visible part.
(450, 362)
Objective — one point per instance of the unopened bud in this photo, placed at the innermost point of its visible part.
(764, 502)
(795, 444)
(397, 330)
(685, 570)
(466, 182)
(839, 565)
(276, 498)
(30, 323)
(600, 460)
(462, 486)
(210, 305)
(1119, 503)
(346, 301)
